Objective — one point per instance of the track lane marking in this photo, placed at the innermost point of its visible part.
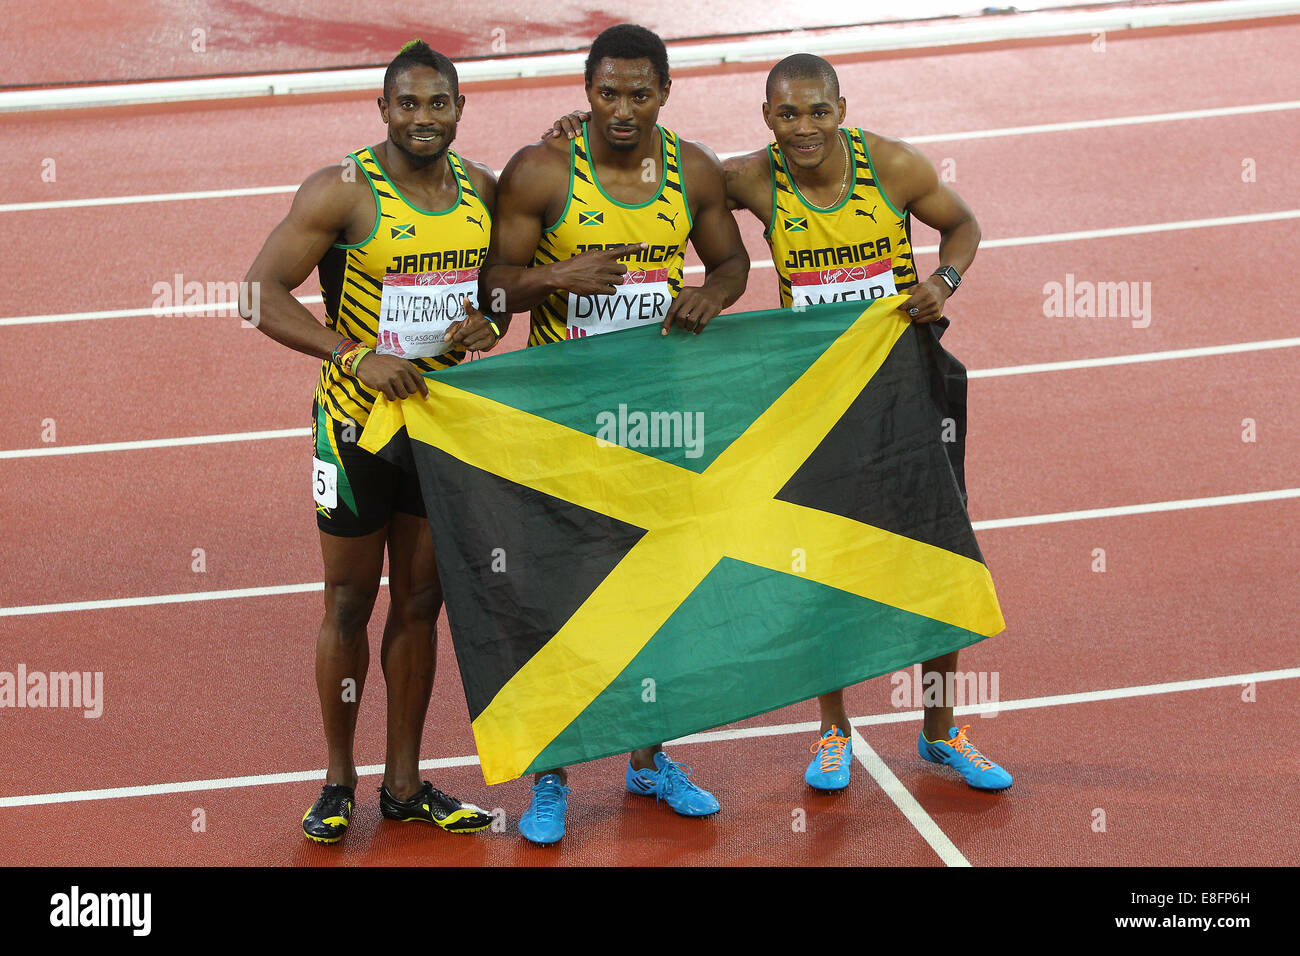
(991, 133)
(758, 264)
(1027, 703)
(185, 597)
(930, 831)
(1033, 369)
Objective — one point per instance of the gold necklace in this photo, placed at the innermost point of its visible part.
(847, 165)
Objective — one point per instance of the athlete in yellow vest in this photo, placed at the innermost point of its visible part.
(590, 238)
(836, 205)
(397, 232)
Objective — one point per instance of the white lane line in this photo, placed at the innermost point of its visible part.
(990, 525)
(217, 309)
(220, 783)
(1108, 233)
(184, 597)
(1026, 703)
(1184, 504)
(1041, 239)
(1208, 350)
(930, 831)
(153, 443)
(1136, 358)
(1109, 122)
(146, 198)
(925, 138)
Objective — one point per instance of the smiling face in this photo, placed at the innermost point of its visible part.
(804, 119)
(421, 112)
(625, 97)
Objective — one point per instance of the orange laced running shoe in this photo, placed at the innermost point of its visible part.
(829, 769)
(958, 752)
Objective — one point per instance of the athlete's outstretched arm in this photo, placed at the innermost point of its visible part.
(534, 184)
(910, 181)
(717, 240)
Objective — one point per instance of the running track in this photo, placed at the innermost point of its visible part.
(207, 690)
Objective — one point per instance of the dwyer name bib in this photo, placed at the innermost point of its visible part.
(416, 310)
(843, 284)
(642, 299)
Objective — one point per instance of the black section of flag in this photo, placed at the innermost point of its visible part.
(527, 559)
(893, 434)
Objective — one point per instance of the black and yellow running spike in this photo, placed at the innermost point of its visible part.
(328, 818)
(431, 805)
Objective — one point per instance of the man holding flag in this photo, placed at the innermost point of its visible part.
(571, 219)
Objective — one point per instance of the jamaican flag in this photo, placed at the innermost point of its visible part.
(640, 537)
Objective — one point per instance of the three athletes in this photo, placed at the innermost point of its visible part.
(404, 235)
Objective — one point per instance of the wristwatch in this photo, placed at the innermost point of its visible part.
(949, 275)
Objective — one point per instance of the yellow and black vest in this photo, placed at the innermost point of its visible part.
(405, 240)
(593, 220)
(860, 248)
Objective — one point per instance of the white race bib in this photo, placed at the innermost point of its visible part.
(642, 299)
(325, 482)
(417, 308)
(843, 284)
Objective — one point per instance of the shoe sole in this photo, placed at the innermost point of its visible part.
(328, 840)
(944, 763)
(444, 829)
(825, 790)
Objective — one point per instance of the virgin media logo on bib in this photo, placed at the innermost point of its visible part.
(642, 299)
(842, 284)
(417, 308)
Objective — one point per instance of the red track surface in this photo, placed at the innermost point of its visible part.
(133, 40)
(223, 688)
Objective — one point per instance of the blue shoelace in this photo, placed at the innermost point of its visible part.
(546, 799)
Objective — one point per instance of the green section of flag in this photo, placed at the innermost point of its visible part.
(745, 642)
(677, 373)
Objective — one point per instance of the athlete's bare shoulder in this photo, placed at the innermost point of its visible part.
(336, 197)
(537, 172)
(697, 157)
(702, 177)
(483, 179)
(903, 171)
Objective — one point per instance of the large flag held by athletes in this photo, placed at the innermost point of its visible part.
(641, 537)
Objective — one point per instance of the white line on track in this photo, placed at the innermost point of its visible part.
(1108, 233)
(925, 138)
(990, 525)
(216, 309)
(1184, 504)
(930, 831)
(153, 443)
(1073, 364)
(1028, 703)
(1136, 358)
(222, 307)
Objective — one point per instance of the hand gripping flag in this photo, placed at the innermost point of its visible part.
(640, 537)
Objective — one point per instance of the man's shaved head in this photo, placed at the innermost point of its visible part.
(804, 66)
